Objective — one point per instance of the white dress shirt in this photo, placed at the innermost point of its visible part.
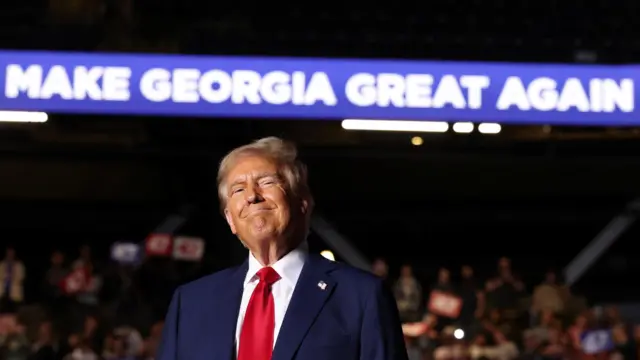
(289, 268)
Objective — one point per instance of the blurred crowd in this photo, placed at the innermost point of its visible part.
(86, 310)
(113, 311)
(462, 317)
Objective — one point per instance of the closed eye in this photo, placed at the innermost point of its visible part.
(267, 182)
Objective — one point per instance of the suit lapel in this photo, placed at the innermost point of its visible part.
(313, 289)
(225, 318)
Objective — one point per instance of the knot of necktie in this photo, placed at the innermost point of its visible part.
(268, 276)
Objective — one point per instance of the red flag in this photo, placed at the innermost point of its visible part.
(159, 245)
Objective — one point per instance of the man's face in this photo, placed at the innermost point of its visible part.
(467, 272)
(57, 258)
(406, 271)
(85, 252)
(551, 278)
(443, 275)
(258, 208)
(504, 263)
(380, 268)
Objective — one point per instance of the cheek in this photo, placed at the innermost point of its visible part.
(283, 207)
(277, 196)
(285, 215)
(235, 210)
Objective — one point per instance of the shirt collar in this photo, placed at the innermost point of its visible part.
(288, 267)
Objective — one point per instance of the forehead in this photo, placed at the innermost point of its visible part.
(251, 166)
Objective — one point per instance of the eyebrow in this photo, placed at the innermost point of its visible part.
(260, 176)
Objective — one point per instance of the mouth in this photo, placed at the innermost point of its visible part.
(257, 211)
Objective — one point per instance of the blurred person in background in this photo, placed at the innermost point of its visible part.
(282, 300)
(81, 350)
(612, 317)
(547, 324)
(444, 282)
(532, 347)
(555, 346)
(421, 337)
(54, 277)
(575, 331)
(15, 345)
(473, 298)
(635, 335)
(408, 294)
(548, 296)
(132, 338)
(118, 350)
(625, 347)
(109, 347)
(44, 347)
(84, 258)
(505, 349)
(381, 269)
(505, 270)
(12, 274)
(53, 295)
(450, 348)
(88, 296)
(508, 290)
(496, 321)
(153, 341)
(92, 332)
(491, 343)
(444, 285)
(429, 338)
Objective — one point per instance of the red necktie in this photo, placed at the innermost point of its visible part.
(256, 337)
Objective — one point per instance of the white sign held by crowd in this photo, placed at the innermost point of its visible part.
(597, 341)
(188, 248)
(444, 304)
(126, 253)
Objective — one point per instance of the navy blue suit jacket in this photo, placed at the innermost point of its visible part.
(351, 317)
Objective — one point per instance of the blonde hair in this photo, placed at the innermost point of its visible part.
(283, 153)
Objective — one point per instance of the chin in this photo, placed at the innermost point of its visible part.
(260, 238)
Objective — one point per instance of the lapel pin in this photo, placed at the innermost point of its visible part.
(322, 285)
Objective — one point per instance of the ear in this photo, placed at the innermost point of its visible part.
(304, 207)
(232, 226)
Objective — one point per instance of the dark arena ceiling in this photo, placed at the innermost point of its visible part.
(530, 190)
(498, 30)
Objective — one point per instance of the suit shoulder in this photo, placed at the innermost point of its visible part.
(216, 279)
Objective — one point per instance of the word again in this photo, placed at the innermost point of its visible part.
(546, 94)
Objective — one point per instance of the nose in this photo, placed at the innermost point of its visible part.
(253, 195)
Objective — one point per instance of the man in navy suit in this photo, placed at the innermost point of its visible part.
(282, 303)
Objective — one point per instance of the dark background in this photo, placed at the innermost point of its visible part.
(456, 199)
(534, 193)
